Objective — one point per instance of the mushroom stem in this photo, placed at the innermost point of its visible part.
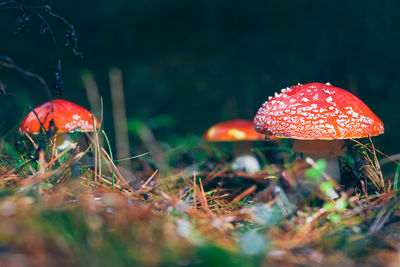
(332, 164)
(242, 148)
(244, 159)
(329, 150)
(63, 141)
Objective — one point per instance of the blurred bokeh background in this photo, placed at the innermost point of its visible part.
(189, 64)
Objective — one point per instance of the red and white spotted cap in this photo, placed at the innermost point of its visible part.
(316, 111)
(64, 115)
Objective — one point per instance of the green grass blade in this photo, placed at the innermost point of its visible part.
(396, 177)
(111, 155)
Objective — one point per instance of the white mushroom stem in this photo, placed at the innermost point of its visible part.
(63, 141)
(332, 163)
(329, 150)
(244, 159)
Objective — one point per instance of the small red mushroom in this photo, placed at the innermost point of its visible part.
(60, 116)
(233, 130)
(318, 116)
(243, 134)
(64, 115)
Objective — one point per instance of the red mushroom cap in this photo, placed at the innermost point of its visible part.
(66, 116)
(316, 111)
(233, 130)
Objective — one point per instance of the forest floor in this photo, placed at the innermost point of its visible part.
(81, 208)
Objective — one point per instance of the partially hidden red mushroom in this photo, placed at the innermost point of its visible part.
(243, 134)
(233, 130)
(318, 116)
(65, 116)
(60, 116)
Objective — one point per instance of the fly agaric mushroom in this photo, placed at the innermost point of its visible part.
(60, 116)
(319, 117)
(242, 133)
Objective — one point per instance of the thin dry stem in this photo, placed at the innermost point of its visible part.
(119, 115)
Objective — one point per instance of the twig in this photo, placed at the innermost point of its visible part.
(148, 180)
(377, 166)
(8, 62)
(119, 116)
(194, 190)
(203, 197)
(244, 194)
(24, 21)
(31, 140)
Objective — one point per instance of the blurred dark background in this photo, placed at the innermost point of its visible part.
(195, 63)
